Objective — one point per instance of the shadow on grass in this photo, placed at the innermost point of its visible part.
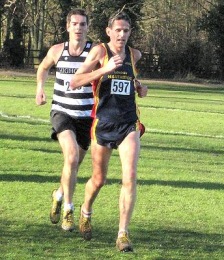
(217, 112)
(150, 147)
(25, 79)
(47, 240)
(25, 138)
(48, 151)
(18, 96)
(82, 180)
(146, 147)
(182, 240)
(23, 120)
(190, 100)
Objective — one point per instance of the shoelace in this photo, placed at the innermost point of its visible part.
(68, 216)
(124, 239)
(86, 224)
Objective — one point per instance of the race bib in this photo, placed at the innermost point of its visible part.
(68, 89)
(120, 87)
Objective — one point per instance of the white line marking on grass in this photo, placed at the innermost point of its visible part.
(158, 131)
(150, 130)
(23, 117)
(182, 109)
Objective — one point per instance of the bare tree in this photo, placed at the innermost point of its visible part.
(170, 30)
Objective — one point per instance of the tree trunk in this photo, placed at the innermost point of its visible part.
(37, 29)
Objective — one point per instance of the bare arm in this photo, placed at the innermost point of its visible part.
(43, 70)
(141, 90)
(86, 72)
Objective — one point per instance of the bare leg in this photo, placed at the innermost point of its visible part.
(129, 154)
(70, 151)
(82, 154)
(100, 159)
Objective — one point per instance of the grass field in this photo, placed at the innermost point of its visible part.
(179, 212)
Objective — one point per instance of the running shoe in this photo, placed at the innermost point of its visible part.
(68, 220)
(85, 227)
(123, 243)
(55, 213)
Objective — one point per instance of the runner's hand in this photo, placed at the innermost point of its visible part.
(40, 97)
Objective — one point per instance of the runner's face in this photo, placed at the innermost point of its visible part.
(77, 27)
(119, 33)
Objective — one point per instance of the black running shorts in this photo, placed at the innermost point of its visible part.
(80, 127)
(111, 135)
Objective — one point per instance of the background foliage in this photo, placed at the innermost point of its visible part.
(178, 38)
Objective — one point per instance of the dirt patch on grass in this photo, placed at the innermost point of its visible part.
(8, 73)
(18, 73)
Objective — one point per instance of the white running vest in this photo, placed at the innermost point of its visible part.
(77, 103)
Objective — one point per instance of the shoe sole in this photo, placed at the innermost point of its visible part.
(125, 250)
(53, 221)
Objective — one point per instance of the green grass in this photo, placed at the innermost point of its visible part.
(180, 203)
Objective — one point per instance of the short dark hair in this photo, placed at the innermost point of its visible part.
(118, 16)
(77, 12)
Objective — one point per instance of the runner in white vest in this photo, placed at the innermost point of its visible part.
(70, 111)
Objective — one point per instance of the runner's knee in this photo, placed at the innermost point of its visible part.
(99, 181)
(72, 160)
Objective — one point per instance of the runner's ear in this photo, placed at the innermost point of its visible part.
(108, 31)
